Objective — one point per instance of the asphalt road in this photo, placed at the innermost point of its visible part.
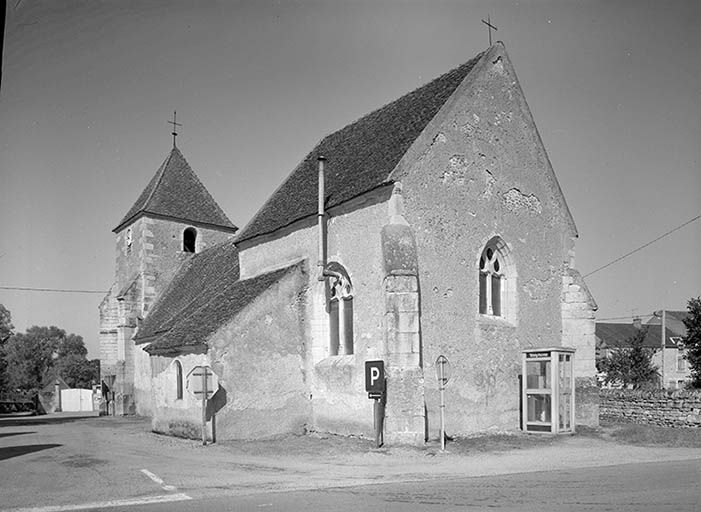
(58, 464)
(649, 487)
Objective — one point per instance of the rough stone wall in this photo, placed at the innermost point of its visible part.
(480, 171)
(336, 384)
(578, 332)
(109, 319)
(156, 253)
(669, 409)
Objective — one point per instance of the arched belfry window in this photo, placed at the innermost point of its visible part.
(189, 240)
(340, 307)
(492, 278)
(178, 380)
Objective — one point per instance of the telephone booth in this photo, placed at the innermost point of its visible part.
(547, 390)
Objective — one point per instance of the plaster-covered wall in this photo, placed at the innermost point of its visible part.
(259, 359)
(171, 415)
(336, 384)
(480, 171)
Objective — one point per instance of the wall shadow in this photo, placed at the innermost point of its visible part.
(15, 451)
(216, 403)
(8, 434)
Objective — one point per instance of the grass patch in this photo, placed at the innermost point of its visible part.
(653, 435)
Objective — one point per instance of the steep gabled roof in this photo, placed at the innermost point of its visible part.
(360, 157)
(190, 327)
(620, 335)
(176, 192)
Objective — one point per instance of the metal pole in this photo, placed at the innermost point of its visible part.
(376, 417)
(320, 217)
(442, 389)
(664, 328)
(204, 406)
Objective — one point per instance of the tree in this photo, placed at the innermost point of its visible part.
(6, 329)
(6, 326)
(77, 371)
(630, 365)
(692, 340)
(34, 358)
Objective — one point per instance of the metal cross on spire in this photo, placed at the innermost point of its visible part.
(175, 125)
(488, 22)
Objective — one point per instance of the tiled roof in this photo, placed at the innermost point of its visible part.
(620, 335)
(197, 280)
(176, 192)
(189, 325)
(360, 157)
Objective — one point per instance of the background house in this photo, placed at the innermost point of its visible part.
(672, 367)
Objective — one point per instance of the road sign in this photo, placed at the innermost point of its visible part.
(202, 378)
(443, 374)
(442, 370)
(375, 377)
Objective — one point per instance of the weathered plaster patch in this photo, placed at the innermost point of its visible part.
(514, 200)
(457, 170)
(440, 138)
(490, 181)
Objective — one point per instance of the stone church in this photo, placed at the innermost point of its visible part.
(432, 226)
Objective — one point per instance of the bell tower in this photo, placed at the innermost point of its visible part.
(173, 218)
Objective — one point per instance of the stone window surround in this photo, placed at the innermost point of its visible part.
(178, 380)
(507, 272)
(340, 294)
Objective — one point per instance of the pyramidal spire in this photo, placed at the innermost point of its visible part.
(175, 192)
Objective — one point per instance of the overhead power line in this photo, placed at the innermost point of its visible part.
(56, 290)
(643, 246)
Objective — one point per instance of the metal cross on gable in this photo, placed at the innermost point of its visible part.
(175, 125)
(488, 22)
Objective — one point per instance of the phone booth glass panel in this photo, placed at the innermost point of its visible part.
(548, 390)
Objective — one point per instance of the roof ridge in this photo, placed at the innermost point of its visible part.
(362, 154)
(162, 171)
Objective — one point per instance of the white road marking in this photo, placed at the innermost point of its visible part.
(158, 480)
(106, 504)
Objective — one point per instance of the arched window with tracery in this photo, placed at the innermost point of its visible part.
(340, 309)
(178, 380)
(492, 278)
(189, 240)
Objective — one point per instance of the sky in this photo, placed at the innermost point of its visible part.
(88, 87)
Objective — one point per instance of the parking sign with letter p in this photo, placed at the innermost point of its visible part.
(375, 377)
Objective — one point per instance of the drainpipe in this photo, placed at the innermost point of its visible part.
(320, 216)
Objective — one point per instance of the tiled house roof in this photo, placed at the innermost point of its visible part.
(176, 192)
(360, 157)
(203, 296)
(611, 335)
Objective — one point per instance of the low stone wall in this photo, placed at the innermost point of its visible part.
(666, 408)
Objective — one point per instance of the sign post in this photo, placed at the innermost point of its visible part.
(443, 374)
(203, 382)
(375, 386)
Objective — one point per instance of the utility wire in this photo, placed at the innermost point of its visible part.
(58, 290)
(643, 246)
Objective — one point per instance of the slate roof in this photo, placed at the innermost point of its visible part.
(619, 335)
(175, 191)
(203, 296)
(360, 157)
(197, 280)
